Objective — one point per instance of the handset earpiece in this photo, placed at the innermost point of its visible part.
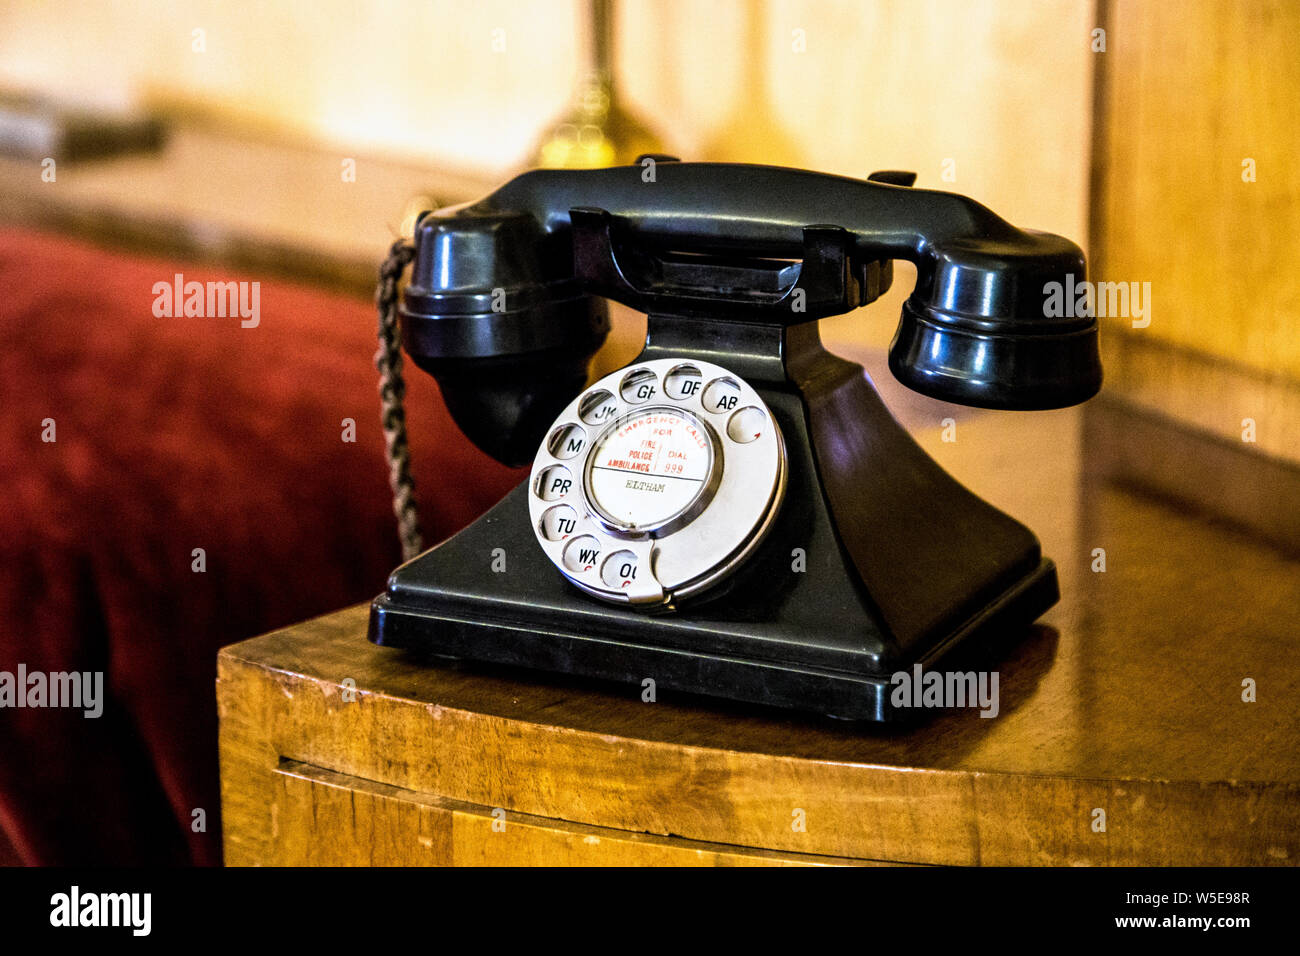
(977, 331)
(493, 312)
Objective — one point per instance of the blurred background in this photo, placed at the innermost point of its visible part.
(1017, 103)
(459, 96)
(291, 142)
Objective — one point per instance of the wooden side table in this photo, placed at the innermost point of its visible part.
(1122, 738)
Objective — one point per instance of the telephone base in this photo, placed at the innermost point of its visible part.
(876, 561)
(548, 645)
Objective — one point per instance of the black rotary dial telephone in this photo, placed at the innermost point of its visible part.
(735, 513)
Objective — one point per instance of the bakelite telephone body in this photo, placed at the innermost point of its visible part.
(735, 513)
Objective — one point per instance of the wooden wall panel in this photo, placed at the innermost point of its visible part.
(1191, 91)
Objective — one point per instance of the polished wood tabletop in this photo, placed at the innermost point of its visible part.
(1128, 731)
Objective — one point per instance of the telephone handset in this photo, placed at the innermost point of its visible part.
(735, 513)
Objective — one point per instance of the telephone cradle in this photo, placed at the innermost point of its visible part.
(736, 513)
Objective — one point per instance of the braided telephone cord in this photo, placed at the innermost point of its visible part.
(392, 392)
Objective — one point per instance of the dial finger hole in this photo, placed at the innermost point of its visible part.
(598, 407)
(722, 395)
(553, 483)
(683, 382)
(619, 570)
(558, 523)
(581, 554)
(567, 441)
(639, 385)
(746, 425)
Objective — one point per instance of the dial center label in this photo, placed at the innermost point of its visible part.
(650, 468)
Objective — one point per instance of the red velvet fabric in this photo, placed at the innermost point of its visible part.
(174, 434)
